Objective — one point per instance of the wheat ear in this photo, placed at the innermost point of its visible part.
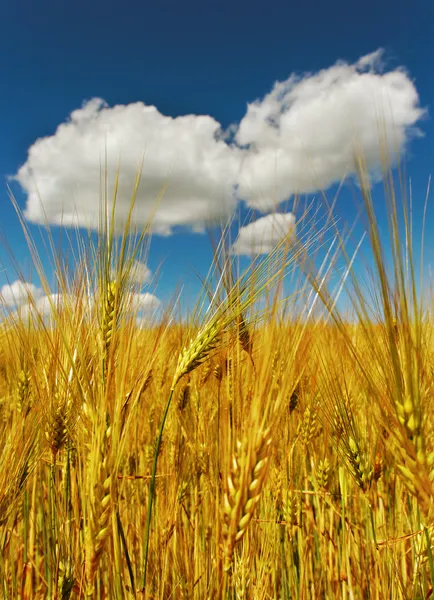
(23, 392)
(109, 316)
(98, 528)
(198, 350)
(58, 423)
(244, 487)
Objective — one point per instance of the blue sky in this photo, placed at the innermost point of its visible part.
(192, 58)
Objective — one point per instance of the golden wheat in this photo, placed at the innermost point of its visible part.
(244, 487)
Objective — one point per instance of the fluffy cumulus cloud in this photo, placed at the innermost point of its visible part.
(262, 235)
(63, 173)
(38, 306)
(47, 304)
(22, 299)
(303, 134)
(18, 293)
(140, 273)
(145, 303)
(145, 308)
(298, 138)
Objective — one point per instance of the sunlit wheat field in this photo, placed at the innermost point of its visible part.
(272, 444)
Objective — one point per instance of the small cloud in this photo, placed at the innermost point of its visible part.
(41, 307)
(144, 303)
(46, 304)
(145, 307)
(18, 293)
(261, 236)
(140, 273)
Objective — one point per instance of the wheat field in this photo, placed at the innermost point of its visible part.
(255, 450)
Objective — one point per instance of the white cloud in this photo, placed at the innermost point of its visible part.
(262, 235)
(298, 138)
(46, 304)
(140, 273)
(63, 171)
(36, 307)
(145, 308)
(42, 307)
(18, 293)
(302, 135)
(144, 303)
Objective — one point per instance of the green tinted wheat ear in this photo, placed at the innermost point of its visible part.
(244, 486)
(197, 351)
